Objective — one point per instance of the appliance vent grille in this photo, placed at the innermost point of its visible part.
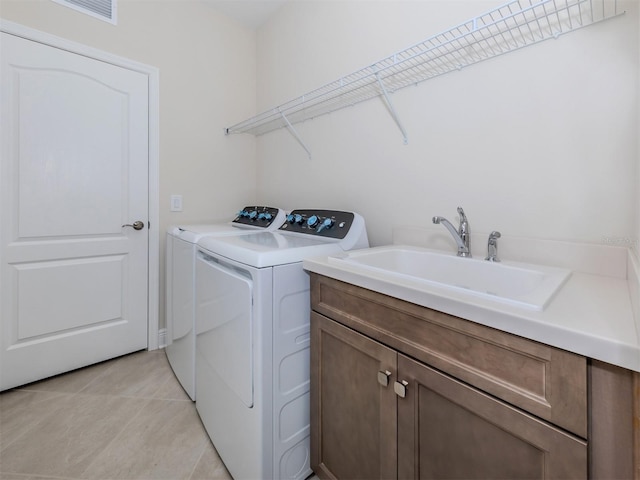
(102, 9)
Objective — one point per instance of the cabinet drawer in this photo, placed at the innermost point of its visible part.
(545, 381)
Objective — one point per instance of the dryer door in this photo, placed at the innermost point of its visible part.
(224, 333)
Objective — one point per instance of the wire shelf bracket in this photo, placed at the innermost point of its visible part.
(295, 133)
(510, 27)
(392, 111)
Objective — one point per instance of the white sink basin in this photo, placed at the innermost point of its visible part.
(518, 284)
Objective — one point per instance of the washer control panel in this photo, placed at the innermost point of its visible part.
(322, 223)
(256, 216)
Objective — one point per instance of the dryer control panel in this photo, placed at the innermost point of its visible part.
(256, 216)
(321, 223)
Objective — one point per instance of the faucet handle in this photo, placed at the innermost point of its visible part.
(463, 217)
(492, 247)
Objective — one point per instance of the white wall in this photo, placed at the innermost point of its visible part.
(540, 143)
(207, 81)
(637, 201)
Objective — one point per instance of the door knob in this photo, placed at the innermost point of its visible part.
(137, 225)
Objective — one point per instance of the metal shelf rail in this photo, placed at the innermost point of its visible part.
(512, 26)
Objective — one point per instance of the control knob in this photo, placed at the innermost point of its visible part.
(326, 223)
(312, 221)
(294, 218)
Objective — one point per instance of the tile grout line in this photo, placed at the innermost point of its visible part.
(113, 362)
(117, 435)
(35, 424)
(203, 450)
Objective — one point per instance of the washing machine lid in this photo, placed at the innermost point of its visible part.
(192, 233)
(248, 220)
(268, 249)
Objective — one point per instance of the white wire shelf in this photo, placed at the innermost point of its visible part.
(512, 26)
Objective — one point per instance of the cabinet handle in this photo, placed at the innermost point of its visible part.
(401, 388)
(383, 377)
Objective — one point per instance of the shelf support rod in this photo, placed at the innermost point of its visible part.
(294, 133)
(387, 100)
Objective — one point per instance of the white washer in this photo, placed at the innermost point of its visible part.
(253, 339)
(180, 278)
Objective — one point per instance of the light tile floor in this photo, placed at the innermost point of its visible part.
(127, 418)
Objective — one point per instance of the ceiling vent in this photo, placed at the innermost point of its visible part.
(102, 9)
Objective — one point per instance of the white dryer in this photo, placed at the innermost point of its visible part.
(180, 278)
(253, 339)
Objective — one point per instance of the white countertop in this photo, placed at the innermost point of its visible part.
(591, 315)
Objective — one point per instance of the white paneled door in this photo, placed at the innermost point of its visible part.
(74, 171)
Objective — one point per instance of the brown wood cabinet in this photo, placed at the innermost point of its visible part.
(356, 418)
(401, 391)
(447, 429)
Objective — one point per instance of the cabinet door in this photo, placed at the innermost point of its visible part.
(447, 430)
(353, 414)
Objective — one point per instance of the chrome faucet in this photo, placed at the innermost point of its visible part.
(492, 247)
(462, 236)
